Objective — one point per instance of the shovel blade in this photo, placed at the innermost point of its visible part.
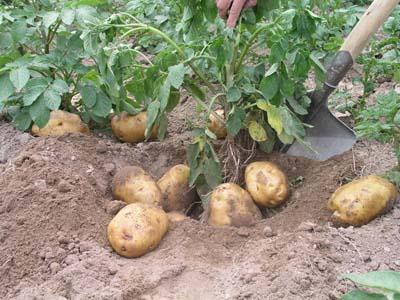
(328, 137)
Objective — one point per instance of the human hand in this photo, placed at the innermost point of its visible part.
(235, 6)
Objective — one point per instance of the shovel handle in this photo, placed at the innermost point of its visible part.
(371, 21)
(369, 24)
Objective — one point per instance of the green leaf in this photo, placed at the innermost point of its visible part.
(162, 129)
(60, 86)
(274, 119)
(361, 295)
(173, 100)
(396, 296)
(52, 99)
(32, 94)
(103, 105)
(89, 95)
(39, 113)
(49, 18)
(163, 94)
(263, 105)
(6, 40)
(234, 94)
(19, 30)
(67, 16)
(291, 124)
(152, 113)
(272, 70)
(212, 173)
(6, 87)
(176, 75)
(381, 279)
(195, 91)
(210, 134)
(317, 64)
(285, 138)
(269, 86)
(129, 108)
(298, 109)
(235, 120)
(22, 121)
(19, 77)
(257, 132)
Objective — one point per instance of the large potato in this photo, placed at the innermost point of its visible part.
(216, 126)
(61, 122)
(174, 186)
(133, 184)
(361, 201)
(231, 205)
(137, 229)
(266, 183)
(131, 129)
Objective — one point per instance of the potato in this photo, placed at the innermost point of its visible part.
(231, 205)
(133, 184)
(131, 129)
(137, 229)
(361, 201)
(266, 183)
(215, 126)
(61, 122)
(174, 186)
(176, 216)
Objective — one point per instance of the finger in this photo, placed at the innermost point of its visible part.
(235, 11)
(223, 6)
(250, 3)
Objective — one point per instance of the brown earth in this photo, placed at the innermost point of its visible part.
(56, 202)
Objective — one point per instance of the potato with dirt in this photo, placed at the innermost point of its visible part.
(131, 129)
(176, 192)
(230, 205)
(137, 229)
(216, 126)
(61, 122)
(176, 217)
(266, 183)
(359, 202)
(132, 184)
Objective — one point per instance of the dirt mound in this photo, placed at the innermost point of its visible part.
(55, 204)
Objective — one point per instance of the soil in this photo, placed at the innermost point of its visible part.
(56, 202)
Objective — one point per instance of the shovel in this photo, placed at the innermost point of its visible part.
(327, 135)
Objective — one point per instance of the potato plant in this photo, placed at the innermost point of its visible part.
(381, 122)
(255, 73)
(42, 64)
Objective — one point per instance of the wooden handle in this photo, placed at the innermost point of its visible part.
(368, 25)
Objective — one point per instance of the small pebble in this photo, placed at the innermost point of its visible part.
(54, 267)
(243, 231)
(268, 232)
(112, 270)
(307, 226)
(64, 186)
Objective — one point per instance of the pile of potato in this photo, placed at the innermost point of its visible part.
(140, 226)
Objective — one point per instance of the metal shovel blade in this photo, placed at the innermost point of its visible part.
(328, 137)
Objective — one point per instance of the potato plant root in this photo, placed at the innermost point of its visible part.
(56, 202)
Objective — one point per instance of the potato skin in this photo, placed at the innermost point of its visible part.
(230, 205)
(131, 129)
(61, 122)
(176, 217)
(133, 184)
(266, 183)
(215, 126)
(359, 202)
(174, 186)
(137, 229)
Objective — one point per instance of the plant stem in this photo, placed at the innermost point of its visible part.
(248, 45)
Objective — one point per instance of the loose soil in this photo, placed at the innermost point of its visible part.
(56, 202)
